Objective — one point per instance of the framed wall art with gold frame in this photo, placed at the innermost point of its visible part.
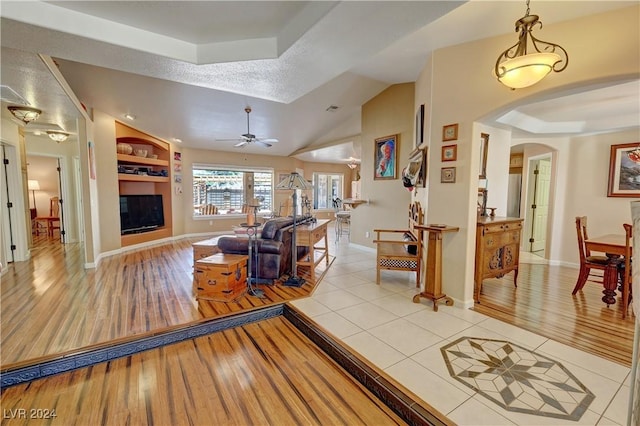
(385, 158)
(449, 153)
(450, 132)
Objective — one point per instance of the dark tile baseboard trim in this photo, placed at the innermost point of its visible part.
(393, 397)
(402, 404)
(113, 351)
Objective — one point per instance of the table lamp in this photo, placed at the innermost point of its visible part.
(33, 186)
(294, 181)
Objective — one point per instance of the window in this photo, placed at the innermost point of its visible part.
(326, 187)
(224, 190)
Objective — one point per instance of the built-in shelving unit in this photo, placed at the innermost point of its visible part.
(138, 180)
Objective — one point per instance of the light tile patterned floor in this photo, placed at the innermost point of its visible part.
(405, 340)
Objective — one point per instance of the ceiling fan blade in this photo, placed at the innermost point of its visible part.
(241, 144)
(267, 140)
(263, 143)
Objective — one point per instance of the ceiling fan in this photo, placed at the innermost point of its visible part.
(249, 137)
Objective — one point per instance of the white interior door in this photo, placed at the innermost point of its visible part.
(540, 205)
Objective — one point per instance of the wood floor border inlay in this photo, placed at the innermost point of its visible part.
(389, 393)
(400, 402)
(86, 358)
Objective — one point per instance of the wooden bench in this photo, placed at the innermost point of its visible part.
(401, 249)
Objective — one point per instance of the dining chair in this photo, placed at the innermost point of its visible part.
(51, 222)
(208, 209)
(587, 261)
(624, 269)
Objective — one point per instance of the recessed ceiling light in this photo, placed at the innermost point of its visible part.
(176, 140)
(130, 117)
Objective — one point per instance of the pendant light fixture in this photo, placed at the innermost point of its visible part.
(57, 136)
(24, 113)
(530, 59)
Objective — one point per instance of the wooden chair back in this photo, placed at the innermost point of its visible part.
(581, 228)
(416, 217)
(393, 250)
(54, 207)
(208, 209)
(587, 261)
(625, 270)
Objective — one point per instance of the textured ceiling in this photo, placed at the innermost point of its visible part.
(188, 69)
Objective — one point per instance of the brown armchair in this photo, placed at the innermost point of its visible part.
(273, 258)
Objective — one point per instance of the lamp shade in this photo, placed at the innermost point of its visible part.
(33, 185)
(527, 70)
(293, 181)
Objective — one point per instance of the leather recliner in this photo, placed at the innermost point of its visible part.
(273, 258)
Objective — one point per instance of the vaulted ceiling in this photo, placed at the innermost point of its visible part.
(187, 69)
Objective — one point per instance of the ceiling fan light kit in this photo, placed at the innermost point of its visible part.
(249, 137)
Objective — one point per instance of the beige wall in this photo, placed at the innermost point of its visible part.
(389, 113)
(107, 200)
(182, 212)
(581, 170)
(462, 90)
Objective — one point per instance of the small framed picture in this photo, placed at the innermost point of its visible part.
(450, 153)
(448, 175)
(450, 132)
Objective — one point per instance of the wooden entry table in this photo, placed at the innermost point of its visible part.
(309, 234)
(433, 278)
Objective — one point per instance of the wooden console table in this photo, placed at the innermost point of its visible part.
(497, 249)
(433, 278)
(308, 235)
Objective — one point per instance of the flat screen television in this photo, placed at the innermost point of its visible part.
(140, 213)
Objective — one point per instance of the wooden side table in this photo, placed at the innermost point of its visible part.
(309, 234)
(433, 278)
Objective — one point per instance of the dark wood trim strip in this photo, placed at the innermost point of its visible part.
(11, 377)
(390, 394)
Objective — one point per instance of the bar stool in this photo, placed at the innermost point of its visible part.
(343, 219)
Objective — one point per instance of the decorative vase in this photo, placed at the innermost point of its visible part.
(124, 148)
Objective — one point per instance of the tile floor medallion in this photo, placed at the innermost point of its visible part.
(516, 378)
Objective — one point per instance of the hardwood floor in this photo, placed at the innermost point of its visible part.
(51, 305)
(262, 373)
(543, 304)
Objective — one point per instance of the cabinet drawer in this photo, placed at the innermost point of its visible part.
(501, 227)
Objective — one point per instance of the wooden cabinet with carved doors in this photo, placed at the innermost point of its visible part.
(497, 249)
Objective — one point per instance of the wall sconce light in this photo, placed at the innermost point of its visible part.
(530, 59)
(57, 136)
(24, 113)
